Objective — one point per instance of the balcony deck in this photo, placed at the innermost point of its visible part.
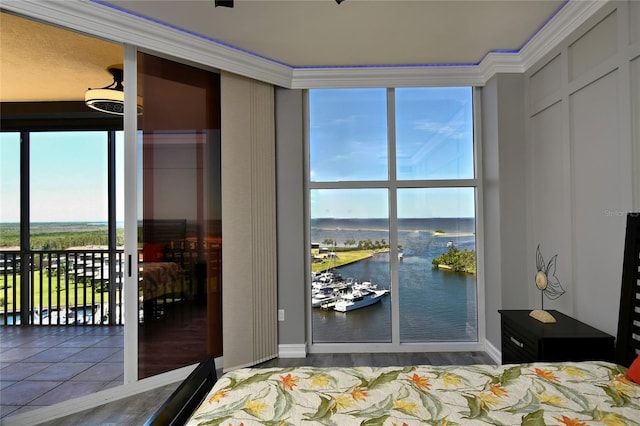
(41, 366)
(61, 326)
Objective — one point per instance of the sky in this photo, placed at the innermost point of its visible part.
(68, 174)
(349, 143)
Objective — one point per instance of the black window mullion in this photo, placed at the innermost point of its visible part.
(25, 257)
(112, 237)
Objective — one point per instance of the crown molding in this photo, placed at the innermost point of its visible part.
(107, 22)
(111, 24)
(445, 75)
(499, 62)
(562, 25)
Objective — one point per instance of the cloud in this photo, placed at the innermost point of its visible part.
(454, 128)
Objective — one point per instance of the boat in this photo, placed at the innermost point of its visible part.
(323, 298)
(325, 278)
(358, 299)
(364, 285)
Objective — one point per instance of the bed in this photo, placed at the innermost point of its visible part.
(582, 393)
(539, 393)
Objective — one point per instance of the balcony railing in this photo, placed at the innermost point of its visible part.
(61, 287)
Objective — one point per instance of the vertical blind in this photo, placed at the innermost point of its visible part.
(249, 295)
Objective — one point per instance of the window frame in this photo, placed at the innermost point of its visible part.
(393, 185)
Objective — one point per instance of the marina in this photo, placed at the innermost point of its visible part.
(435, 305)
(330, 291)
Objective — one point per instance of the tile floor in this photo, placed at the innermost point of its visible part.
(41, 366)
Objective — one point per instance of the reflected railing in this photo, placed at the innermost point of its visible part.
(61, 287)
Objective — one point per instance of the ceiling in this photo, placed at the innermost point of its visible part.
(40, 62)
(45, 63)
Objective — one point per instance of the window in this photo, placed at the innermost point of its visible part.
(392, 215)
(61, 202)
(68, 181)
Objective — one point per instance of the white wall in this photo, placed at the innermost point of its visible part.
(504, 203)
(291, 225)
(582, 124)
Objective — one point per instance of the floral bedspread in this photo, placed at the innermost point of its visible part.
(570, 394)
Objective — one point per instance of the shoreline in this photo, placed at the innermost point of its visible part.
(454, 234)
(336, 263)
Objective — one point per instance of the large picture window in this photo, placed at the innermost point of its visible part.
(393, 190)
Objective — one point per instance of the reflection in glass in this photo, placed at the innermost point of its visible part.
(437, 273)
(348, 134)
(350, 266)
(180, 237)
(434, 133)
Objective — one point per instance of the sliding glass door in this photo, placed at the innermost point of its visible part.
(179, 216)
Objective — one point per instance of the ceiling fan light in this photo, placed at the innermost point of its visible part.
(110, 101)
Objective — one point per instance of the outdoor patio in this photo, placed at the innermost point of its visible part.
(45, 365)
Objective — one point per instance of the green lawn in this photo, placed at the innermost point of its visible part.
(343, 258)
(53, 291)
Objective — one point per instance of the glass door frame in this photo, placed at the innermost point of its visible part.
(134, 170)
(131, 188)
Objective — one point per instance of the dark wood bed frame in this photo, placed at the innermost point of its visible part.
(628, 341)
(177, 409)
(187, 397)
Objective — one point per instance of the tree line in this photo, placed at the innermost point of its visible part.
(64, 240)
(360, 245)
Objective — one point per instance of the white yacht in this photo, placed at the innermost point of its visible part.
(359, 299)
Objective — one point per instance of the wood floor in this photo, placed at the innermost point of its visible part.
(175, 339)
(136, 409)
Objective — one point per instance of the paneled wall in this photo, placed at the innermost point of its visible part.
(583, 161)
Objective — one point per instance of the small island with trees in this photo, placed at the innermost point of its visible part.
(456, 260)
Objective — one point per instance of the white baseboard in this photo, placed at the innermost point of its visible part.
(292, 351)
(493, 352)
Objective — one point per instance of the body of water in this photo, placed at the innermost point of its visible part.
(435, 305)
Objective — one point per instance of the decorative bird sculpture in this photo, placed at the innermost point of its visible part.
(548, 284)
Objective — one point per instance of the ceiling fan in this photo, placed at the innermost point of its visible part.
(110, 99)
(229, 3)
